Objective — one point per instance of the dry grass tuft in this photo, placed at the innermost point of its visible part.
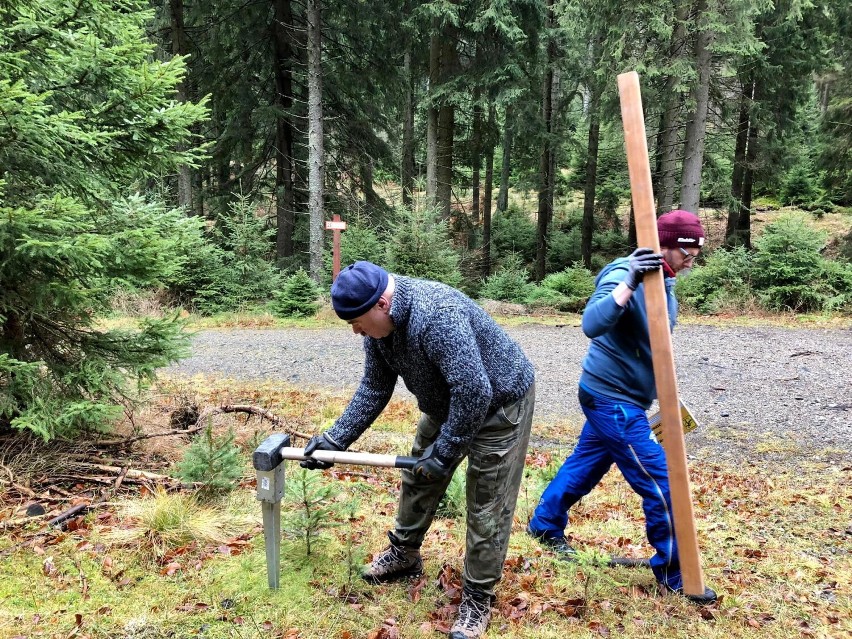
(163, 522)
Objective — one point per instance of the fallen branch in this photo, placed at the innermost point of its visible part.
(127, 473)
(79, 509)
(120, 479)
(58, 519)
(205, 415)
(24, 490)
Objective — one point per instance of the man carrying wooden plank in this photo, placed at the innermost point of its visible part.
(616, 388)
(476, 390)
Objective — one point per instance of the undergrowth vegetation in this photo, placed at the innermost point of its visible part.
(774, 537)
(787, 271)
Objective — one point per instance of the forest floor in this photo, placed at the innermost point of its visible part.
(771, 474)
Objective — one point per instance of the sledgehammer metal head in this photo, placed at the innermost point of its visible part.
(270, 489)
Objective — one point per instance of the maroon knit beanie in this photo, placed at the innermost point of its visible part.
(680, 228)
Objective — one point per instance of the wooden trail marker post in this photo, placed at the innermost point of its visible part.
(658, 328)
(335, 225)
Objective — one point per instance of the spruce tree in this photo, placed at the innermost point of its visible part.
(297, 297)
(88, 118)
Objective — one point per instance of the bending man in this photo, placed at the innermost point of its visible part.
(475, 389)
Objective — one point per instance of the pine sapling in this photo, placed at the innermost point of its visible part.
(213, 461)
(312, 506)
(297, 297)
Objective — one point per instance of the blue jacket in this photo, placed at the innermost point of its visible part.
(618, 363)
(453, 357)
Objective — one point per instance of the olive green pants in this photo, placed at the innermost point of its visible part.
(495, 468)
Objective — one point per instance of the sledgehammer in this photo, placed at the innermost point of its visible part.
(346, 457)
(267, 460)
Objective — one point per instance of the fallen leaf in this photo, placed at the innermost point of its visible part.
(416, 589)
(48, 567)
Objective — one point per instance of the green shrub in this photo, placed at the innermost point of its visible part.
(723, 283)
(801, 187)
(788, 265)
(419, 245)
(837, 284)
(571, 282)
(514, 232)
(563, 249)
(612, 243)
(509, 284)
(297, 297)
(214, 461)
(574, 286)
(245, 273)
(60, 373)
(539, 297)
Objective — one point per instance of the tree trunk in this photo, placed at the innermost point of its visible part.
(631, 229)
(285, 209)
(738, 175)
(696, 129)
(179, 48)
(446, 131)
(743, 233)
(667, 151)
(588, 225)
(486, 202)
(506, 167)
(408, 135)
(316, 151)
(667, 141)
(476, 157)
(432, 121)
(373, 202)
(545, 191)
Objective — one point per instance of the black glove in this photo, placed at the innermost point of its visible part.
(319, 442)
(642, 260)
(431, 466)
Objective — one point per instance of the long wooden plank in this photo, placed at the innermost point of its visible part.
(658, 327)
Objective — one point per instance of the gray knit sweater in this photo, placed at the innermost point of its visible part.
(458, 363)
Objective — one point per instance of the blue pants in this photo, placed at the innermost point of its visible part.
(615, 432)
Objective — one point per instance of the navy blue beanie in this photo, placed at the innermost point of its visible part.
(357, 289)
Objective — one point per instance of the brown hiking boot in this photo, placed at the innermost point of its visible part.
(394, 562)
(474, 615)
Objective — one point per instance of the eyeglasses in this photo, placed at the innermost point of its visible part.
(687, 256)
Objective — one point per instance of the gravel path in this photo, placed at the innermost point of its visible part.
(757, 392)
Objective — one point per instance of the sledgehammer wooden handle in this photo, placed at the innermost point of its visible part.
(345, 457)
